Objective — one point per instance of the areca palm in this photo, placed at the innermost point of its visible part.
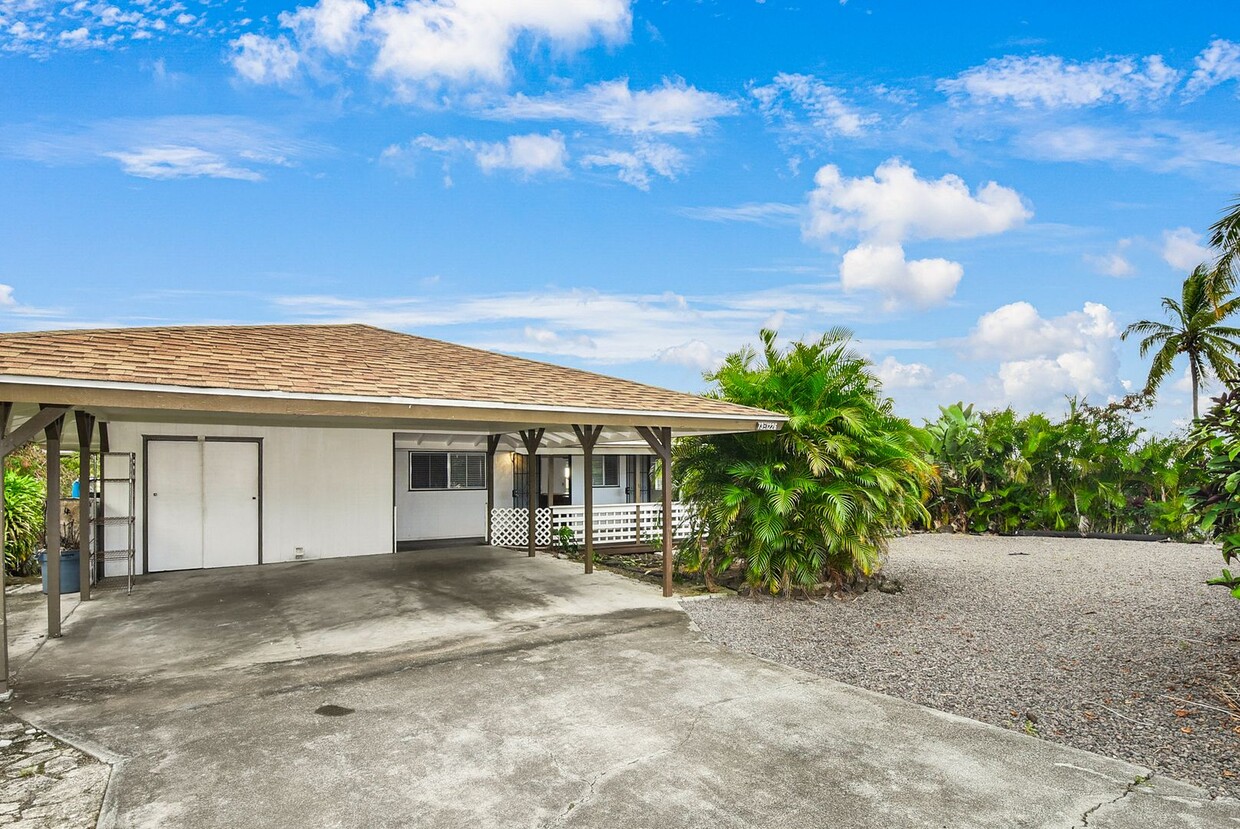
(818, 499)
(1196, 330)
(1225, 237)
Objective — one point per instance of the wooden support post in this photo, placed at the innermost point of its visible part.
(492, 445)
(588, 437)
(6, 411)
(86, 433)
(51, 529)
(532, 438)
(660, 440)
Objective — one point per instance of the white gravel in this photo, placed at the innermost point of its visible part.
(1110, 646)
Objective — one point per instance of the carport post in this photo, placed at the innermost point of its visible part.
(588, 436)
(51, 526)
(6, 410)
(531, 438)
(660, 440)
(86, 433)
(492, 445)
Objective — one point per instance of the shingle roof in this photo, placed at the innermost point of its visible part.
(330, 359)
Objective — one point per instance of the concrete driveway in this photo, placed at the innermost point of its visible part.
(479, 688)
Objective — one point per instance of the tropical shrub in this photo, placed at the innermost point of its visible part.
(23, 521)
(1093, 469)
(816, 500)
(1216, 501)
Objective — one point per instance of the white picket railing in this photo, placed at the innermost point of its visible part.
(613, 524)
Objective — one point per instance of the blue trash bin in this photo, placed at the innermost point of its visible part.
(70, 575)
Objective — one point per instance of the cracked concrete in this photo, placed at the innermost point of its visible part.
(542, 698)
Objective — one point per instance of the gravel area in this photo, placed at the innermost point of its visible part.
(1110, 646)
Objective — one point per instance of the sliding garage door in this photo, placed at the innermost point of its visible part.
(203, 504)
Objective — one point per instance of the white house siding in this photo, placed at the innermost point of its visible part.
(327, 491)
(428, 514)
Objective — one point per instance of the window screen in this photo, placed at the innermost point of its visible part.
(606, 470)
(467, 470)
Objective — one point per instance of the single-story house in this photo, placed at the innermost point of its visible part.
(223, 446)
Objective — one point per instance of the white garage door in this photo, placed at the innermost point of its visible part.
(203, 504)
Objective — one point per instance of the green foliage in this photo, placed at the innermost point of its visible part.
(816, 500)
(1091, 470)
(566, 541)
(23, 521)
(1216, 501)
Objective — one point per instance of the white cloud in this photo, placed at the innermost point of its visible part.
(641, 164)
(895, 205)
(528, 154)
(1054, 82)
(1041, 360)
(1182, 249)
(596, 326)
(760, 213)
(1159, 145)
(180, 162)
(218, 146)
(808, 110)
(1217, 64)
(40, 27)
(1115, 263)
(897, 375)
(331, 25)
(674, 108)
(264, 60)
(422, 45)
(470, 41)
(921, 283)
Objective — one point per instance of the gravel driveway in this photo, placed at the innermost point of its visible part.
(1114, 647)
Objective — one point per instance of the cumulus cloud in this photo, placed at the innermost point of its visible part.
(921, 283)
(1182, 249)
(265, 60)
(893, 206)
(1054, 82)
(1217, 64)
(39, 28)
(897, 375)
(807, 110)
(421, 45)
(1115, 263)
(527, 154)
(1043, 359)
(673, 108)
(641, 164)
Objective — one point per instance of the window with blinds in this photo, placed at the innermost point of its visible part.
(606, 471)
(447, 470)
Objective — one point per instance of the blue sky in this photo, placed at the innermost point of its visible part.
(986, 193)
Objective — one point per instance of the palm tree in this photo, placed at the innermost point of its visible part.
(1225, 237)
(1196, 331)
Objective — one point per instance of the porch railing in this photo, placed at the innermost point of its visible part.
(613, 524)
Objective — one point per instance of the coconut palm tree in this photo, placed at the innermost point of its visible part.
(1196, 331)
(1225, 237)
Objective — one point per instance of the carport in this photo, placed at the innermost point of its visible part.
(274, 443)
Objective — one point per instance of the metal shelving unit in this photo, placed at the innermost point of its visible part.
(112, 510)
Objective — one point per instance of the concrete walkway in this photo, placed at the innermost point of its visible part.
(479, 688)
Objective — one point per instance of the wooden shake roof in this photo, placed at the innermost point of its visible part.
(345, 360)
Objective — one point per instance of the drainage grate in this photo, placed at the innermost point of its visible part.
(333, 710)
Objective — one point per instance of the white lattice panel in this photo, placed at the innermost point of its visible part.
(510, 527)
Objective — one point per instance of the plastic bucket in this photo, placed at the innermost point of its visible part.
(70, 575)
